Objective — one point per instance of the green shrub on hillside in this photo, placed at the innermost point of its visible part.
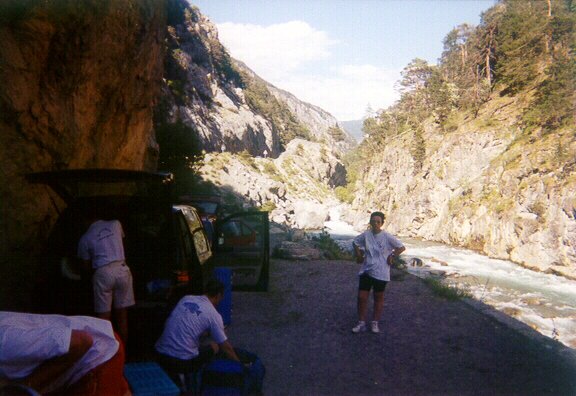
(337, 133)
(263, 101)
(344, 194)
(247, 159)
(300, 149)
(268, 206)
(270, 168)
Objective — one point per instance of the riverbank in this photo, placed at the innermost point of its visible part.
(428, 346)
(545, 302)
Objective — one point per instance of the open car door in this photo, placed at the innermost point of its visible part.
(242, 243)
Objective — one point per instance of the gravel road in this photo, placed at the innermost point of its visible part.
(301, 329)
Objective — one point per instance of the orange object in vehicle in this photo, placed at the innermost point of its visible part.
(182, 276)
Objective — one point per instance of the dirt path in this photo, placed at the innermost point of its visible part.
(428, 346)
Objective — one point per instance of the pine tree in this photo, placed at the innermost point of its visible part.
(521, 38)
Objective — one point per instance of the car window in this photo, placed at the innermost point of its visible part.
(231, 229)
(236, 228)
(193, 221)
(149, 223)
(242, 243)
(184, 254)
(198, 234)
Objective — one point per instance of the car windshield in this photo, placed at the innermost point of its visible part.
(206, 207)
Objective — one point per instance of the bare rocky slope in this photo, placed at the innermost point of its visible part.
(481, 187)
(225, 104)
(296, 188)
(261, 145)
(321, 125)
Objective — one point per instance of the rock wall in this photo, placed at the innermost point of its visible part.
(295, 187)
(206, 93)
(484, 186)
(78, 80)
(206, 90)
(203, 91)
(319, 122)
(84, 83)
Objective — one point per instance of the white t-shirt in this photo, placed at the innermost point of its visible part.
(102, 243)
(27, 340)
(377, 248)
(192, 316)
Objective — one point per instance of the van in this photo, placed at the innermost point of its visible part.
(166, 245)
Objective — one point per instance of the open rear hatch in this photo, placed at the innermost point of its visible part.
(72, 184)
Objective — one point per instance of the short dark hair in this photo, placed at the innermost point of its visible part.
(213, 288)
(379, 214)
(92, 210)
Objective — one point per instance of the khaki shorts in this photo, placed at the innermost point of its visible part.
(112, 284)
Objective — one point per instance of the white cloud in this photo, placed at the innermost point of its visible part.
(290, 56)
(348, 91)
(277, 50)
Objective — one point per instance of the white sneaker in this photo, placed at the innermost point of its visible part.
(360, 327)
(374, 327)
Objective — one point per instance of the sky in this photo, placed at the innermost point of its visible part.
(344, 56)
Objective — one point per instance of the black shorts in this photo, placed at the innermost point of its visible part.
(366, 283)
(175, 365)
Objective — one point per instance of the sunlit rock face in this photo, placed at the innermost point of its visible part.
(321, 125)
(203, 93)
(478, 190)
(295, 187)
(77, 86)
(208, 93)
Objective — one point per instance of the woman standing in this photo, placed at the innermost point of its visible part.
(375, 250)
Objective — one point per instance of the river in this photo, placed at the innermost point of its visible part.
(545, 302)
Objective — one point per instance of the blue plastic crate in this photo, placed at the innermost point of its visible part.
(224, 275)
(148, 379)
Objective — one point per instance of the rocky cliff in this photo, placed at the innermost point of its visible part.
(296, 187)
(204, 92)
(78, 81)
(96, 84)
(255, 142)
(224, 104)
(483, 186)
(321, 125)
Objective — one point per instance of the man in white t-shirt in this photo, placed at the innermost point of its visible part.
(179, 347)
(50, 353)
(102, 249)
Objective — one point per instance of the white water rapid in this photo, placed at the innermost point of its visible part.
(543, 301)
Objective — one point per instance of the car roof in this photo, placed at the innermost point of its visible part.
(201, 198)
(71, 184)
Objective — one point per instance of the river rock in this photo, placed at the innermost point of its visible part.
(309, 215)
(441, 262)
(298, 251)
